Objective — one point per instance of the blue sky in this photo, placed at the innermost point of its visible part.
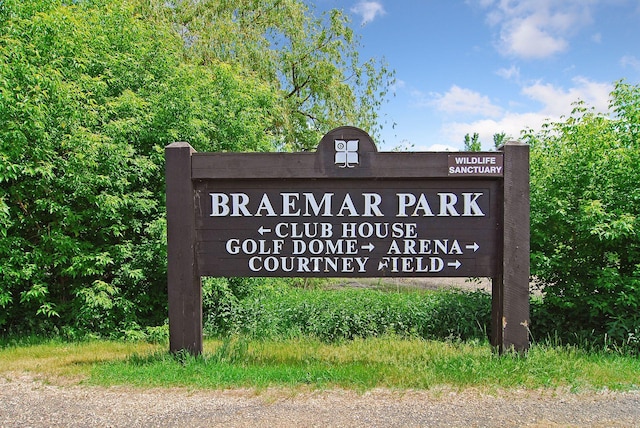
(489, 66)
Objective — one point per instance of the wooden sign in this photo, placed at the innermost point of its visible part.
(347, 228)
(347, 210)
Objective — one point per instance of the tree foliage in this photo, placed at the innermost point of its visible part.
(90, 93)
(313, 62)
(585, 218)
(472, 143)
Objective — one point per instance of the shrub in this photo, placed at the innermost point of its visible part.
(90, 93)
(585, 224)
(282, 311)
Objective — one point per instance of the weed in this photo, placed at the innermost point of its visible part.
(334, 315)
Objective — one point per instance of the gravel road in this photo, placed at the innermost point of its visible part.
(25, 402)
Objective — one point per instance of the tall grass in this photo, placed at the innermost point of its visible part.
(273, 309)
(52, 358)
(358, 364)
(331, 315)
(314, 338)
(362, 364)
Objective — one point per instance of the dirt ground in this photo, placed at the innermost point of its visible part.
(28, 402)
(420, 283)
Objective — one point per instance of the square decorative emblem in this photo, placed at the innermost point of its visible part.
(346, 153)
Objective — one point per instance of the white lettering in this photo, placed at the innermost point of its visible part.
(349, 230)
(315, 207)
(405, 200)
(347, 204)
(411, 264)
(424, 247)
(423, 205)
(379, 230)
(265, 205)
(470, 205)
(475, 170)
(239, 203)
(475, 160)
(251, 246)
(219, 204)
(447, 204)
(372, 205)
(289, 204)
(308, 264)
(319, 246)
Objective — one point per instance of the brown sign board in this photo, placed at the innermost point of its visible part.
(348, 228)
(347, 210)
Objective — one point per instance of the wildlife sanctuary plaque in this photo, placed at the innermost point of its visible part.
(347, 210)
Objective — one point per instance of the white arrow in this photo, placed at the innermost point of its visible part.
(263, 230)
(369, 247)
(455, 264)
(473, 247)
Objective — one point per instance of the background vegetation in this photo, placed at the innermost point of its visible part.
(275, 309)
(90, 93)
(585, 221)
(92, 90)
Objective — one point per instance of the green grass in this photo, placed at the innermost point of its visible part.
(316, 339)
(360, 364)
(54, 358)
(338, 314)
(363, 364)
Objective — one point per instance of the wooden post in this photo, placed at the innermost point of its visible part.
(184, 287)
(510, 292)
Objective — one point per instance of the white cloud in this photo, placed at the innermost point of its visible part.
(511, 73)
(555, 103)
(397, 85)
(537, 28)
(511, 124)
(486, 3)
(465, 101)
(527, 39)
(408, 147)
(368, 10)
(630, 61)
(440, 148)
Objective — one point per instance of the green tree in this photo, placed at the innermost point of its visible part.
(585, 211)
(89, 95)
(472, 143)
(499, 139)
(312, 61)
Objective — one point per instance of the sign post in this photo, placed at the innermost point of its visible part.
(510, 287)
(184, 285)
(349, 211)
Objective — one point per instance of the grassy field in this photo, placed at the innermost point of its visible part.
(287, 337)
(360, 364)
